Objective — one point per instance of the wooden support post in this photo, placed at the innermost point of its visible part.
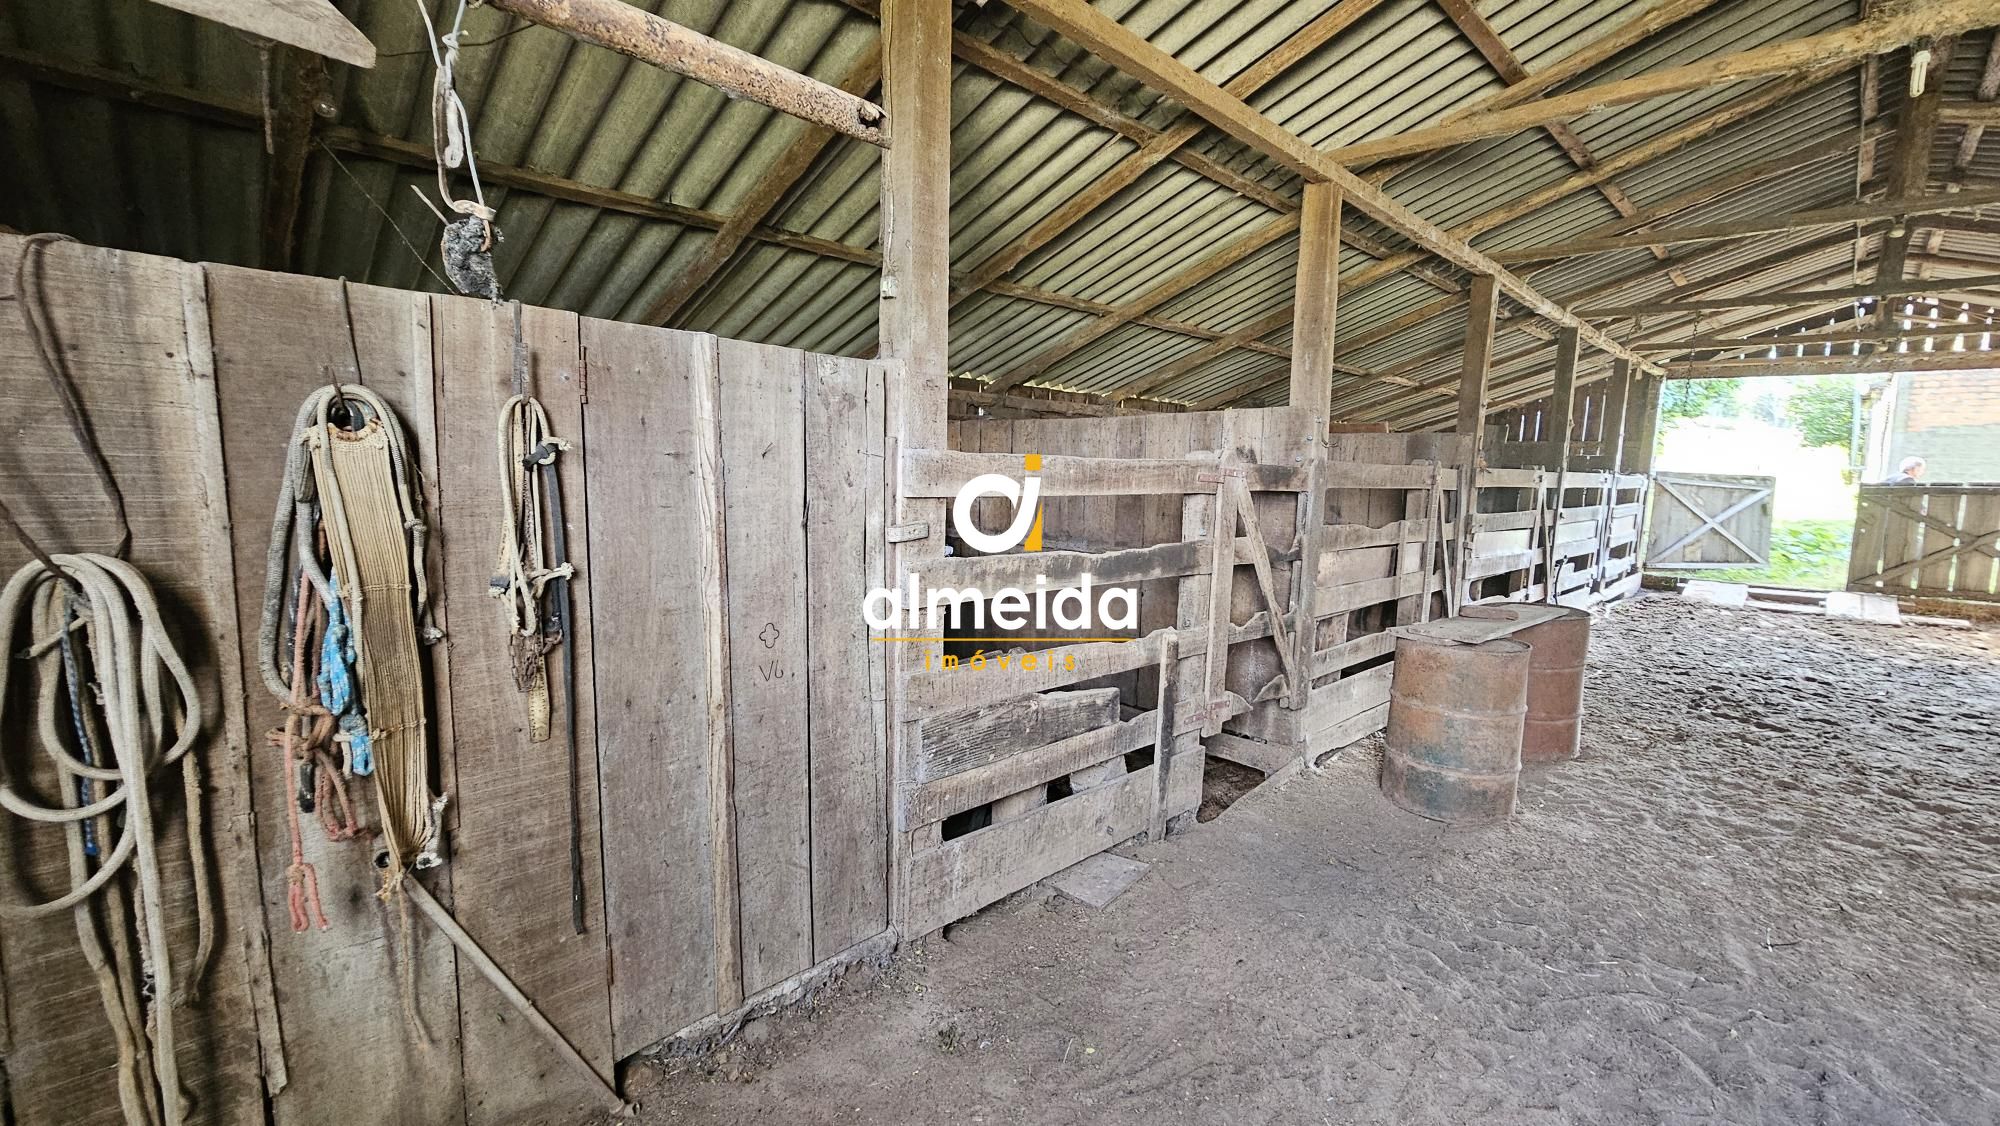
(631, 30)
(1314, 298)
(1562, 398)
(916, 283)
(1642, 425)
(1618, 396)
(1478, 361)
(297, 80)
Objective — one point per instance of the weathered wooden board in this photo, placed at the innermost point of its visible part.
(976, 737)
(1709, 520)
(652, 694)
(132, 334)
(849, 830)
(510, 849)
(277, 338)
(764, 501)
(966, 873)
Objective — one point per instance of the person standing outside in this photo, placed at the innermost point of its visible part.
(1907, 472)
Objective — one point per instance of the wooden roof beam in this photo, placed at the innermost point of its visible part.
(1875, 36)
(1884, 287)
(633, 31)
(1877, 363)
(1987, 91)
(1161, 145)
(1502, 59)
(1126, 50)
(1760, 225)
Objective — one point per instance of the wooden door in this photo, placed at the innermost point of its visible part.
(1705, 520)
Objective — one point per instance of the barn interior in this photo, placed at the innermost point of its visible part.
(1045, 561)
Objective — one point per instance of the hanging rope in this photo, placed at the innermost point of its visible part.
(532, 558)
(124, 692)
(467, 244)
(347, 493)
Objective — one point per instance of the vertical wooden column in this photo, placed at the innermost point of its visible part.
(1562, 398)
(1478, 360)
(1642, 424)
(1560, 421)
(1314, 299)
(1616, 400)
(1482, 304)
(915, 303)
(1314, 303)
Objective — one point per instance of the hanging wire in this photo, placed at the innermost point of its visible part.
(386, 217)
(41, 332)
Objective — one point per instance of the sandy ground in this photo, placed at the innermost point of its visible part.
(1766, 893)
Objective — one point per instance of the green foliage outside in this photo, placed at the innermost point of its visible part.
(1698, 398)
(1823, 411)
(1809, 554)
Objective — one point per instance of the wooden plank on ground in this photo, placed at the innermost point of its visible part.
(652, 687)
(122, 324)
(510, 849)
(763, 464)
(849, 829)
(275, 337)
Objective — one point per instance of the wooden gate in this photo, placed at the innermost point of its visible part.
(1940, 541)
(1704, 520)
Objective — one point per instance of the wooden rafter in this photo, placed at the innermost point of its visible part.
(1849, 45)
(1173, 286)
(1758, 225)
(771, 188)
(1502, 59)
(1884, 287)
(657, 41)
(1601, 50)
(1987, 91)
(1632, 158)
(1126, 50)
(1836, 365)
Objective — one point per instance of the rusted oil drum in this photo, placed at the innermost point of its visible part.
(1454, 739)
(1555, 686)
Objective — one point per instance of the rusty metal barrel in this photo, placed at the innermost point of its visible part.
(1454, 738)
(1555, 686)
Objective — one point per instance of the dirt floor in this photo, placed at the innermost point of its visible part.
(1768, 892)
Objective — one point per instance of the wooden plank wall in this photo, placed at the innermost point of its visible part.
(149, 389)
(186, 370)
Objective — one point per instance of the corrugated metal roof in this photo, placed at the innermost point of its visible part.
(118, 172)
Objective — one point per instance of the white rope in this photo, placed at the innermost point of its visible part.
(143, 690)
(523, 569)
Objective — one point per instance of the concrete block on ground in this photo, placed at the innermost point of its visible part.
(1100, 879)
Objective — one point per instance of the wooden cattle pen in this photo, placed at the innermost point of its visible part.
(786, 309)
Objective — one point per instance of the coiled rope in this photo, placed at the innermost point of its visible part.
(143, 691)
(348, 480)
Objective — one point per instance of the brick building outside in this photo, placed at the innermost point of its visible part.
(1951, 419)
